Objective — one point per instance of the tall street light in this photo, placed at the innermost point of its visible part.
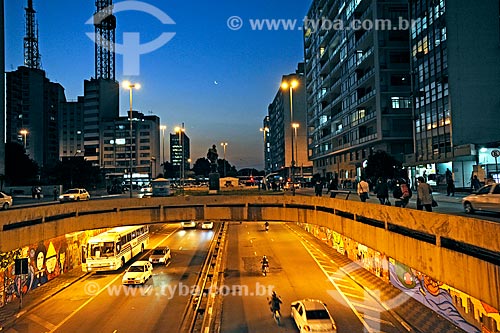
(163, 128)
(180, 130)
(295, 126)
(285, 85)
(224, 145)
(265, 130)
(24, 132)
(130, 86)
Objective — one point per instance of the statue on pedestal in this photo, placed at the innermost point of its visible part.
(212, 157)
(213, 177)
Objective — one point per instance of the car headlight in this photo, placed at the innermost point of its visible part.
(61, 196)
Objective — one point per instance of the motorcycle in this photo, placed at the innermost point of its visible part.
(267, 228)
(265, 269)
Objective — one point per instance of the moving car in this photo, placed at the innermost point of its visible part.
(160, 255)
(207, 225)
(74, 194)
(5, 201)
(311, 315)
(487, 198)
(138, 273)
(188, 225)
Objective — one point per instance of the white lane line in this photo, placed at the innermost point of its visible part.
(41, 321)
(378, 320)
(84, 304)
(362, 297)
(364, 306)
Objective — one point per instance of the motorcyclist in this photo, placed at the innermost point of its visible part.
(266, 225)
(275, 303)
(264, 262)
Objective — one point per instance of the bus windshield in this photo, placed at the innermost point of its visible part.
(103, 249)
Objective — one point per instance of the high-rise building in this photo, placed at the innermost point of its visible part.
(71, 122)
(288, 144)
(33, 105)
(456, 83)
(180, 150)
(358, 84)
(143, 148)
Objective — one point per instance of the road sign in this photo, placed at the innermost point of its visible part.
(495, 153)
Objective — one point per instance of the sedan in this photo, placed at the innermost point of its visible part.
(138, 273)
(188, 225)
(208, 225)
(311, 315)
(5, 201)
(487, 198)
(74, 194)
(160, 255)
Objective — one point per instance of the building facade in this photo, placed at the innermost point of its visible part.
(358, 86)
(33, 104)
(71, 124)
(142, 149)
(180, 150)
(267, 144)
(456, 80)
(286, 143)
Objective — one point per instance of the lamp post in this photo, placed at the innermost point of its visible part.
(180, 130)
(224, 145)
(163, 128)
(24, 132)
(291, 85)
(153, 167)
(130, 86)
(295, 127)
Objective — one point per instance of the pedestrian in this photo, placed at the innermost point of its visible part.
(38, 192)
(333, 187)
(450, 185)
(424, 195)
(475, 183)
(382, 192)
(318, 188)
(56, 193)
(363, 190)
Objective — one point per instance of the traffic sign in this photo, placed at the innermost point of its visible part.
(495, 153)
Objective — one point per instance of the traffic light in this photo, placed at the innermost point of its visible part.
(21, 266)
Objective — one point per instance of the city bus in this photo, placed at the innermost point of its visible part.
(161, 187)
(111, 249)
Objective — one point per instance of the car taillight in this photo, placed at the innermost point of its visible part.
(307, 328)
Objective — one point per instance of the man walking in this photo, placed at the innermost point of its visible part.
(363, 189)
(450, 186)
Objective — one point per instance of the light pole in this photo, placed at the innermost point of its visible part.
(224, 145)
(24, 132)
(265, 130)
(180, 130)
(153, 167)
(163, 128)
(130, 86)
(295, 126)
(291, 85)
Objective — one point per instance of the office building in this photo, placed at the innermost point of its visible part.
(180, 151)
(267, 144)
(358, 85)
(282, 137)
(71, 128)
(456, 83)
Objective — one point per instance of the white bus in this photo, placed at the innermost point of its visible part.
(113, 248)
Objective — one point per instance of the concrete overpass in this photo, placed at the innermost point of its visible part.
(461, 252)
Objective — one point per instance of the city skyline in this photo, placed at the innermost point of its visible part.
(223, 79)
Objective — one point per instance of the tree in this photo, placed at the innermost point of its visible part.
(19, 168)
(202, 167)
(381, 164)
(75, 172)
(168, 170)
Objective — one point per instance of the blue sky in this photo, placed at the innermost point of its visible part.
(178, 79)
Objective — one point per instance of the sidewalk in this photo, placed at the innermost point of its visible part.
(11, 311)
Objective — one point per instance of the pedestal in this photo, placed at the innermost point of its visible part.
(213, 182)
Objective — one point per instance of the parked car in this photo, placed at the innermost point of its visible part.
(160, 255)
(74, 194)
(487, 198)
(138, 273)
(188, 225)
(5, 201)
(207, 225)
(311, 315)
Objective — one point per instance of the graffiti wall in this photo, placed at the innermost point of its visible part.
(46, 260)
(464, 311)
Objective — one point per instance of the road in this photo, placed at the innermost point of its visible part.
(298, 269)
(100, 303)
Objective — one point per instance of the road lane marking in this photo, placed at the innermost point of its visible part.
(378, 320)
(40, 321)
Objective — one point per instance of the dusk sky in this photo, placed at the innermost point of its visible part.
(217, 81)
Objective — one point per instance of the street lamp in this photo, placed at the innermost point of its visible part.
(24, 132)
(180, 130)
(130, 86)
(224, 145)
(291, 85)
(152, 167)
(163, 128)
(295, 126)
(265, 130)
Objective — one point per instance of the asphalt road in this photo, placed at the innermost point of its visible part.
(99, 302)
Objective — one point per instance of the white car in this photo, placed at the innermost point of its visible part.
(160, 255)
(74, 194)
(5, 201)
(188, 225)
(311, 315)
(487, 198)
(138, 273)
(208, 225)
